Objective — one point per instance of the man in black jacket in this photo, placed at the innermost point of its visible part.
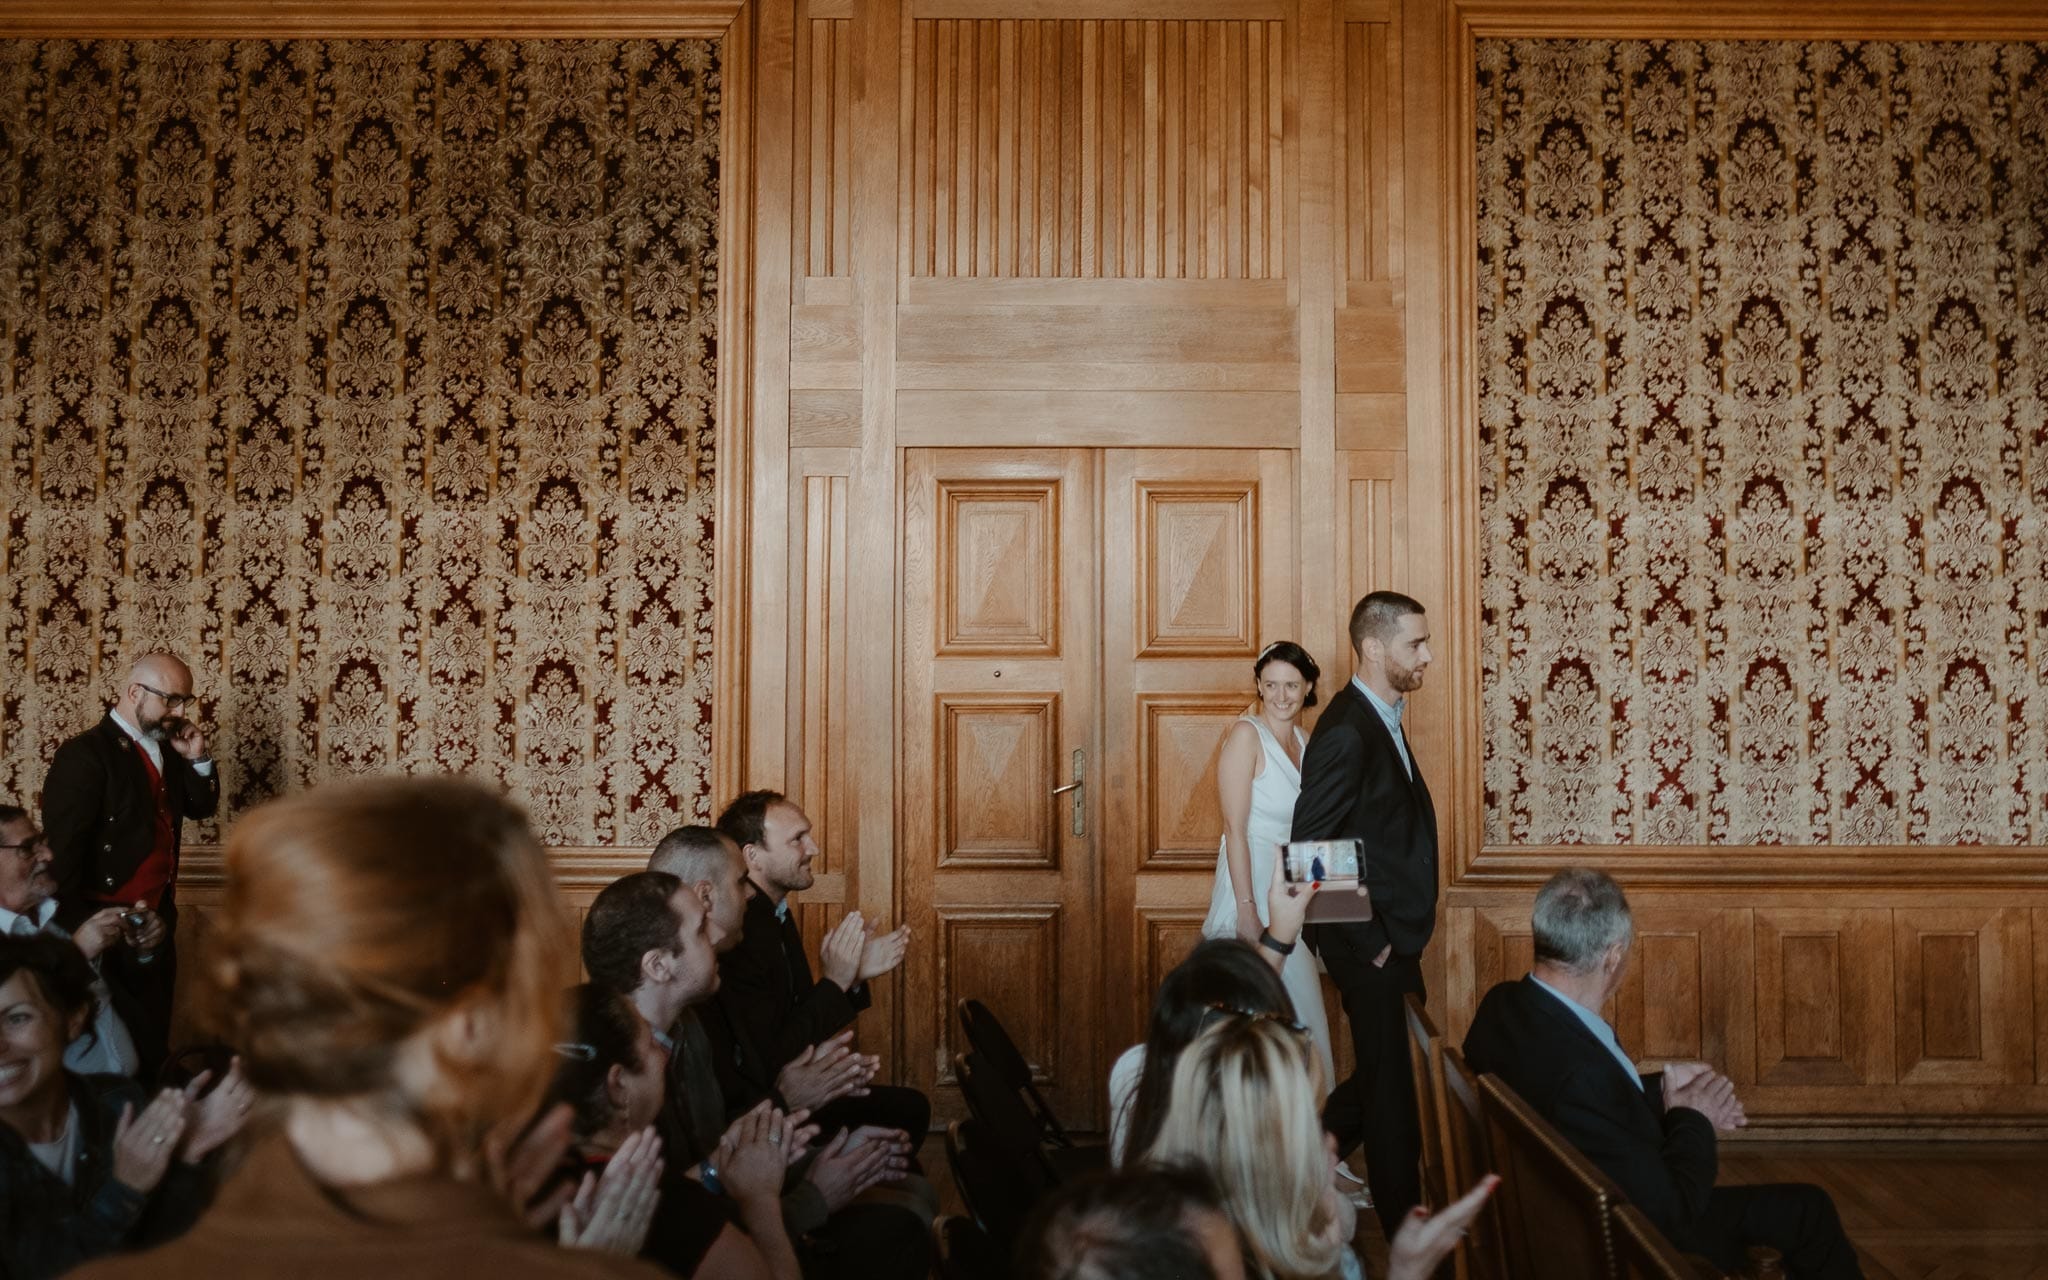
(114, 806)
(1360, 780)
(768, 995)
(1545, 1038)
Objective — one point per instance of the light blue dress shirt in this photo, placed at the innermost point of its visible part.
(1392, 716)
(1598, 1026)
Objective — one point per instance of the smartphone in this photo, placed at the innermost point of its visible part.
(1328, 862)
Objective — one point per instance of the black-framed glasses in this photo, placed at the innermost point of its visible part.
(28, 846)
(1218, 1011)
(175, 701)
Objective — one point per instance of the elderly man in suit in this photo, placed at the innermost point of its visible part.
(1360, 780)
(1545, 1037)
(114, 806)
(28, 907)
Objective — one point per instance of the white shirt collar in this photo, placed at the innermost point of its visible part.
(149, 744)
(1389, 711)
(39, 917)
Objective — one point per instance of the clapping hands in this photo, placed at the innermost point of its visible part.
(1705, 1090)
(824, 1071)
(851, 953)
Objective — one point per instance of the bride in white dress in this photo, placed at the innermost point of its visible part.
(1258, 779)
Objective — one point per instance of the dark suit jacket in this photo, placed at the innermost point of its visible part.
(1664, 1159)
(770, 1000)
(100, 817)
(1353, 785)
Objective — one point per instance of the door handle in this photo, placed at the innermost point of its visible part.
(1080, 815)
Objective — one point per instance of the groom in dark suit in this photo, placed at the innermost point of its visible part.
(1359, 779)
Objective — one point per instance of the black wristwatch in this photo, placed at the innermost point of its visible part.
(1274, 945)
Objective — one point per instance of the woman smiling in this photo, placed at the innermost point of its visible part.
(88, 1164)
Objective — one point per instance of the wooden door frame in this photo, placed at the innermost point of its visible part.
(734, 24)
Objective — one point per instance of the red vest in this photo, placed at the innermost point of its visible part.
(155, 872)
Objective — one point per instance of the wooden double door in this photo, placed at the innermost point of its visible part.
(1078, 628)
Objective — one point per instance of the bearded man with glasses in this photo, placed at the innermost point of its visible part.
(114, 806)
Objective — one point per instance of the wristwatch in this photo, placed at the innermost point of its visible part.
(1274, 945)
(710, 1179)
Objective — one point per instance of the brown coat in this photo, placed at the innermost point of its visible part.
(272, 1219)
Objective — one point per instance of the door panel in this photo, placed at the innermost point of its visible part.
(1000, 632)
(1198, 576)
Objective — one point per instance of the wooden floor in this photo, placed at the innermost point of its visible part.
(1922, 1210)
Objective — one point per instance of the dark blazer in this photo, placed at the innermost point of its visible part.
(47, 1228)
(99, 814)
(1353, 785)
(1663, 1159)
(770, 1000)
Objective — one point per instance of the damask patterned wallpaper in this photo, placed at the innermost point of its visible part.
(375, 377)
(1763, 334)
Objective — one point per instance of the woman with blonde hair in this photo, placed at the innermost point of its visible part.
(1243, 1106)
(389, 961)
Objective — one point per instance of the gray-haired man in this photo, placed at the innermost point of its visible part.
(1545, 1037)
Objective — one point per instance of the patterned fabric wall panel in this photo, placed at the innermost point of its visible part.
(1763, 349)
(376, 378)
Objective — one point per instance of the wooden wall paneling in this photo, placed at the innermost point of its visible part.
(1232, 339)
(816, 710)
(731, 530)
(998, 666)
(1965, 1011)
(2039, 917)
(822, 147)
(767, 529)
(1198, 577)
(1824, 996)
(1372, 510)
(368, 19)
(1309, 109)
(1034, 141)
(873, 531)
(1689, 994)
(1102, 419)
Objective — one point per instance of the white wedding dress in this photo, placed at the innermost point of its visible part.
(1266, 828)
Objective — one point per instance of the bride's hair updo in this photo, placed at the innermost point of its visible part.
(1294, 656)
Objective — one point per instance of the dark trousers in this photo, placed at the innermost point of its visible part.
(887, 1106)
(1375, 1104)
(868, 1242)
(1795, 1218)
(142, 994)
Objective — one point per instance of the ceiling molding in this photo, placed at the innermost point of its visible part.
(365, 19)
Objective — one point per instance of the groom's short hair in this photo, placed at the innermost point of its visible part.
(1376, 616)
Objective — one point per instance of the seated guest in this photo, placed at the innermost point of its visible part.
(649, 939)
(1219, 971)
(389, 960)
(709, 864)
(1243, 1106)
(612, 1075)
(28, 905)
(768, 994)
(89, 1165)
(1153, 1224)
(1545, 1037)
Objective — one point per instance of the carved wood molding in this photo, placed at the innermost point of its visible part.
(203, 868)
(1951, 868)
(1752, 19)
(366, 19)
